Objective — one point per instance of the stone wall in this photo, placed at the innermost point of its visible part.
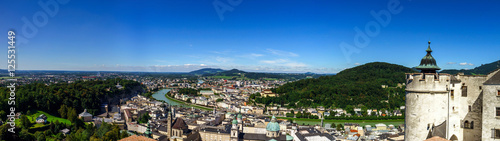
(490, 102)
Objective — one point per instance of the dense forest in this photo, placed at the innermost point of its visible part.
(484, 69)
(66, 101)
(360, 86)
(79, 95)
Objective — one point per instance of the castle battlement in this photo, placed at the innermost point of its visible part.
(427, 77)
(427, 82)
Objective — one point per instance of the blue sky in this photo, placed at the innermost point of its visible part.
(257, 35)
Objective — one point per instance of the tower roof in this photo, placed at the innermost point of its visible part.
(428, 63)
(240, 116)
(235, 121)
(179, 124)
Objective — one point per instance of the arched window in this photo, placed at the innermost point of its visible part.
(466, 124)
(472, 125)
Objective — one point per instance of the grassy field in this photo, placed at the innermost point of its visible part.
(17, 77)
(222, 77)
(50, 118)
(360, 122)
(188, 104)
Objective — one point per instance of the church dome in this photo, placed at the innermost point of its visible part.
(428, 63)
(235, 121)
(289, 138)
(240, 116)
(273, 125)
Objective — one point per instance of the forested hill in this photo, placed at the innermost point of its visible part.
(484, 69)
(354, 86)
(76, 96)
(205, 71)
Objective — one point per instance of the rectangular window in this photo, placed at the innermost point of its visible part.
(498, 93)
(452, 93)
(498, 111)
(480, 88)
(470, 108)
(495, 133)
(464, 91)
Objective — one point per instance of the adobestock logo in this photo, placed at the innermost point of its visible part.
(221, 7)
(39, 19)
(363, 37)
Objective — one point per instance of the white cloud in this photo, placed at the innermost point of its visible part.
(282, 53)
(223, 59)
(161, 61)
(273, 61)
(295, 64)
(221, 52)
(357, 64)
(465, 63)
(250, 56)
(283, 62)
(256, 55)
(451, 63)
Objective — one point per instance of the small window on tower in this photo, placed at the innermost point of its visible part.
(470, 108)
(464, 91)
(498, 112)
(452, 93)
(480, 87)
(498, 93)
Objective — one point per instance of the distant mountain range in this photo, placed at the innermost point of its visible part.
(239, 74)
(484, 69)
(206, 70)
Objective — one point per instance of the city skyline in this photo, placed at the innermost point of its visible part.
(258, 36)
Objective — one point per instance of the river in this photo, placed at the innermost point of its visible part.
(160, 95)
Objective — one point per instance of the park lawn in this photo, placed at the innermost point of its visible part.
(191, 105)
(50, 118)
(270, 79)
(8, 77)
(222, 77)
(360, 122)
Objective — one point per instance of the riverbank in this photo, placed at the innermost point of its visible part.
(188, 104)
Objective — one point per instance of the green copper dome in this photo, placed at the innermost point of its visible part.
(272, 140)
(148, 130)
(428, 63)
(234, 120)
(289, 138)
(240, 116)
(273, 125)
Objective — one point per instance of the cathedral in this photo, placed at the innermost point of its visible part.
(177, 130)
(455, 107)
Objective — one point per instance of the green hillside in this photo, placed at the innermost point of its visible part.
(354, 87)
(205, 71)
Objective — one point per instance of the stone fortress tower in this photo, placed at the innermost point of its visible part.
(451, 106)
